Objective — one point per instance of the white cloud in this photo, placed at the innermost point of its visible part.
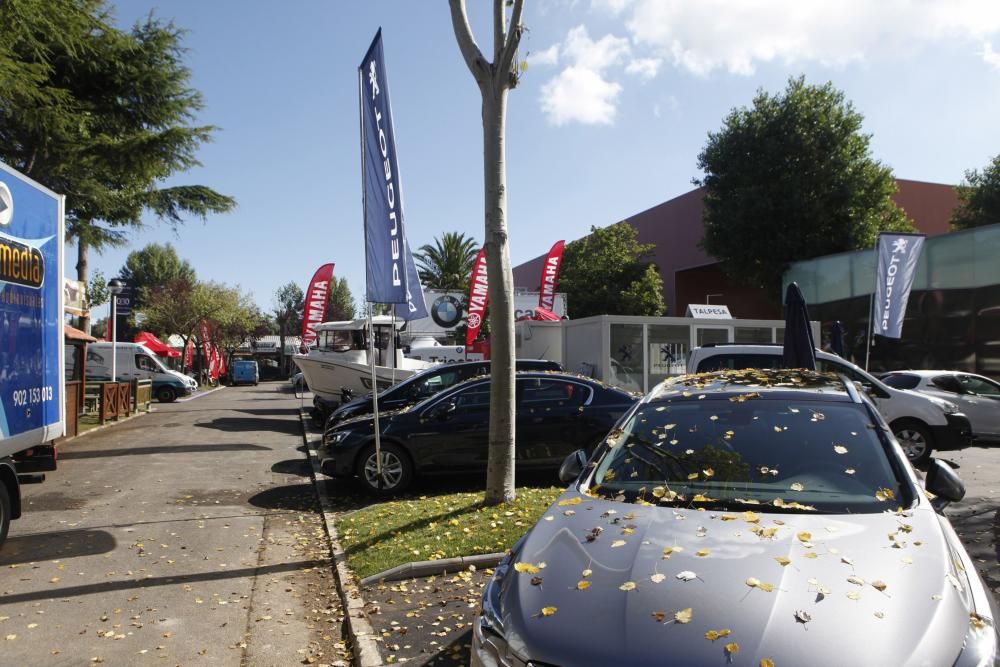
(644, 68)
(581, 92)
(990, 56)
(610, 6)
(549, 56)
(739, 35)
(581, 95)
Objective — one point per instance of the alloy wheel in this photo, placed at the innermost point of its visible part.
(392, 470)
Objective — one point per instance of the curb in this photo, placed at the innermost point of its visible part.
(426, 568)
(199, 394)
(360, 633)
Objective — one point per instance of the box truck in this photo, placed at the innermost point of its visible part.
(32, 385)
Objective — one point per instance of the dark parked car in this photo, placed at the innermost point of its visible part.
(425, 384)
(556, 413)
(743, 517)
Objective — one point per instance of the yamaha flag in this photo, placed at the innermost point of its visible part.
(479, 297)
(897, 265)
(415, 308)
(315, 305)
(550, 276)
(385, 249)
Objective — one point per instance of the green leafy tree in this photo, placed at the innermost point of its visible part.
(154, 265)
(609, 273)
(979, 198)
(495, 79)
(242, 323)
(97, 290)
(339, 301)
(180, 307)
(790, 179)
(289, 301)
(101, 115)
(447, 265)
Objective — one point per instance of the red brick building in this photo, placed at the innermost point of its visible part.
(692, 276)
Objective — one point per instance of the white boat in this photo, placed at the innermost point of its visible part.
(339, 359)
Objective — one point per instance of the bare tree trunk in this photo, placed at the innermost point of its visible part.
(82, 250)
(495, 80)
(500, 468)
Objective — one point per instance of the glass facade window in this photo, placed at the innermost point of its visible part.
(707, 335)
(668, 350)
(752, 335)
(627, 356)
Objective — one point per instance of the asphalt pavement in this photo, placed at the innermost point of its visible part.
(189, 536)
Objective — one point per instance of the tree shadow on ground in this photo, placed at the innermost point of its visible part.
(294, 497)
(57, 545)
(165, 449)
(978, 526)
(243, 424)
(299, 467)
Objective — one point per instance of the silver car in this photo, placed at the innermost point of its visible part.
(750, 517)
(977, 396)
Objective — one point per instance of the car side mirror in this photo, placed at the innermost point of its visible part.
(943, 482)
(572, 466)
(444, 411)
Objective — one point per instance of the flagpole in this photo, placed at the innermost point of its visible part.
(371, 328)
(871, 307)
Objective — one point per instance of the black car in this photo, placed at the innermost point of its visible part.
(556, 414)
(425, 384)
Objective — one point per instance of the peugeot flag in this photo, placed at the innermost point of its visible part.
(385, 248)
(897, 265)
(415, 307)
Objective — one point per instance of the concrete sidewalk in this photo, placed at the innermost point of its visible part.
(190, 536)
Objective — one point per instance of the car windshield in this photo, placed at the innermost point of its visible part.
(791, 455)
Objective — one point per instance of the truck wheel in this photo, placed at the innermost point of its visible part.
(915, 439)
(397, 471)
(166, 395)
(4, 512)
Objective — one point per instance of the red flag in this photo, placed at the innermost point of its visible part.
(479, 296)
(189, 354)
(315, 307)
(550, 276)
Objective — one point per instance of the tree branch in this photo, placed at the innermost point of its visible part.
(505, 61)
(467, 43)
(499, 28)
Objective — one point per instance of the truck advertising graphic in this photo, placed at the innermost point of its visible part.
(31, 313)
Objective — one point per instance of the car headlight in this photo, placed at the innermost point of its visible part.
(950, 408)
(980, 646)
(337, 437)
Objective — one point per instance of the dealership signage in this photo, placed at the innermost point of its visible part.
(31, 315)
(708, 311)
(447, 311)
(897, 265)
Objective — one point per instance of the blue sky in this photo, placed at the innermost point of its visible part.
(617, 101)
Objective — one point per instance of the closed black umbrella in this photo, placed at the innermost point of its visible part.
(799, 350)
(837, 338)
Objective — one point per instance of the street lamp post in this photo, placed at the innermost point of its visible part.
(115, 286)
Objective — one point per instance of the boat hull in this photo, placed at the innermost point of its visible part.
(328, 378)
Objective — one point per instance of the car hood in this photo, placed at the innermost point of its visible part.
(187, 380)
(921, 616)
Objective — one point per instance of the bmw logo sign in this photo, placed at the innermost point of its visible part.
(6, 205)
(446, 311)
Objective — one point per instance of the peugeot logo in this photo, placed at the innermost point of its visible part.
(6, 205)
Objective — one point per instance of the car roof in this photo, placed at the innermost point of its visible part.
(740, 385)
(926, 373)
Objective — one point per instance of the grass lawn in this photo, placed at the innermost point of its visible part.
(433, 527)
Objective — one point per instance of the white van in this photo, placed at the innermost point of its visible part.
(920, 423)
(136, 361)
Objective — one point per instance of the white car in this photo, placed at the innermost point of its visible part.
(920, 422)
(977, 396)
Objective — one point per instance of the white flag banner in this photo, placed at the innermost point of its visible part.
(897, 265)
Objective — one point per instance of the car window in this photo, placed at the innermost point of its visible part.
(736, 361)
(432, 384)
(473, 399)
(551, 392)
(902, 380)
(791, 455)
(947, 383)
(971, 383)
(144, 363)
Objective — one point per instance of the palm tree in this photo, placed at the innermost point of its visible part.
(447, 265)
